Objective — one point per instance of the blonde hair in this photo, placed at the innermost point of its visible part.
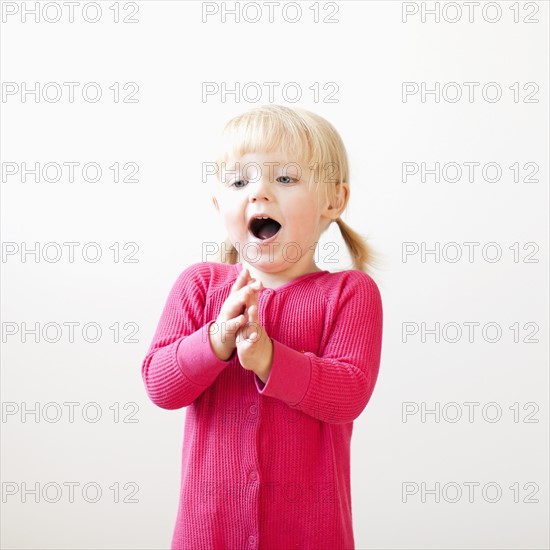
(269, 128)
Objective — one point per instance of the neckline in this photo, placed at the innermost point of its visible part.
(239, 267)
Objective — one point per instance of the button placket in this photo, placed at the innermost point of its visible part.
(253, 476)
(265, 297)
(254, 409)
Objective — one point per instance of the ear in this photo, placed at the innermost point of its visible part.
(333, 211)
(215, 203)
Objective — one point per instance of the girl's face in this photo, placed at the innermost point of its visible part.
(283, 189)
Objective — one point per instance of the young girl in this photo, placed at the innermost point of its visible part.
(272, 357)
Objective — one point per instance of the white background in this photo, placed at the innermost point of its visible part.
(368, 53)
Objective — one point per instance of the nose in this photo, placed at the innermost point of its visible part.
(259, 189)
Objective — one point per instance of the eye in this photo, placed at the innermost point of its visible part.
(288, 178)
(237, 183)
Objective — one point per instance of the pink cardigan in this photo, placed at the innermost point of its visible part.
(267, 466)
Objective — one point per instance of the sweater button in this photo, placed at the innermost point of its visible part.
(252, 539)
(253, 475)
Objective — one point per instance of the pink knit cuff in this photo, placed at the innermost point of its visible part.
(289, 376)
(197, 359)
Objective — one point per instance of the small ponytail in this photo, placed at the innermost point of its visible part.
(227, 253)
(361, 253)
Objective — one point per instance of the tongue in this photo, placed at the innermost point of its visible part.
(268, 229)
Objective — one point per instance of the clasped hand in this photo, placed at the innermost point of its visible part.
(254, 347)
(239, 317)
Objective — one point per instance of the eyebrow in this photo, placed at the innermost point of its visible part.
(282, 168)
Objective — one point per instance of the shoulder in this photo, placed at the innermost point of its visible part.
(351, 286)
(206, 277)
(350, 280)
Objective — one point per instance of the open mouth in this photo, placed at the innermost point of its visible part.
(264, 228)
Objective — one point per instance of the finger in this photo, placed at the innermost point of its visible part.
(252, 313)
(255, 294)
(257, 287)
(244, 295)
(253, 325)
(246, 317)
(234, 324)
(252, 318)
(237, 300)
(253, 306)
(241, 280)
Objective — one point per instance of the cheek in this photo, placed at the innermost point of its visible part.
(302, 219)
(233, 222)
(229, 209)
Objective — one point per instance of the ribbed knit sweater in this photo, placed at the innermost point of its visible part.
(267, 466)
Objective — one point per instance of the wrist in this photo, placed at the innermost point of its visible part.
(263, 374)
(222, 351)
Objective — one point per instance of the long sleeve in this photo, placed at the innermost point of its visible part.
(180, 363)
(336, 387)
